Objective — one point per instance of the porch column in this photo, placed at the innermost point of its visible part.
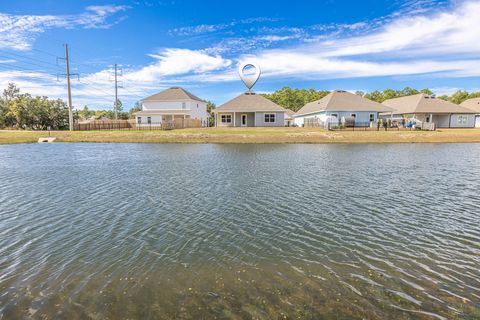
(255, 119)
(215, 115)
(234, 122)
(431, 117)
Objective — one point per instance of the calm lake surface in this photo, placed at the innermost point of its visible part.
(240, 231)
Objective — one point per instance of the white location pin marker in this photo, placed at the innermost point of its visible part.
(249, 80)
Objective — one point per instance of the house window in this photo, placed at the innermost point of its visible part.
(462, 119)
(334, 115)
(197, 105)
(269, 117)
(184, 105)
(149, 120)
(139, 120)
(372, 117)
(226, 118)
(353, 115)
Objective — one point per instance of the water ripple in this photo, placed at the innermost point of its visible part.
(203, 231)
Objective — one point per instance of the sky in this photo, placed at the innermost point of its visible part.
(325, 45)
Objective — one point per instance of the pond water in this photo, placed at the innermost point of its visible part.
(240, 231)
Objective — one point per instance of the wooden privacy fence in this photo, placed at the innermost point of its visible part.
(133, 125)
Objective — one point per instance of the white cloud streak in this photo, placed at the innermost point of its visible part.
(20, 31)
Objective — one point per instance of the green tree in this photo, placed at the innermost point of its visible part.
(136, 107)
(118, 106)
(375, 96)
(426, 91)
(86, 113)
(459, 96)
(389, 94)
(407, 91)
(210, 107)
(295, 99)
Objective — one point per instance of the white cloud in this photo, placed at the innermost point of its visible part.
(444, 42)
(176, 62)
(209, 28)
(19, 31)
(429, 43)
(431, 34)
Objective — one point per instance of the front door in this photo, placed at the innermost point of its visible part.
(244, 120)
(477, 122)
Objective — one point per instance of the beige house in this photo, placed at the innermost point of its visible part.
(171, 104)
(473, 104)
(429, 109)
(250, 110)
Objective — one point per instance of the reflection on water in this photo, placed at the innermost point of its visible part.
(239, 231)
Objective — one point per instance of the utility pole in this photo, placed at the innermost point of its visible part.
(68, 74)
(116, 93)
(70, 110)
(117, 72)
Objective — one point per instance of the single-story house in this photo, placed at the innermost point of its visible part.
(289, 121)
(171, 104)
(341, 105)
(429, 109)
(249, 110)
(473, 104)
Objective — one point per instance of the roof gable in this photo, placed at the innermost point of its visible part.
(173, 94)
(423, 103)
(473, 104)
(250, 102)
(340, 100)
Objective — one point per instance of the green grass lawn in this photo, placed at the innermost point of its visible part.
(246, 135)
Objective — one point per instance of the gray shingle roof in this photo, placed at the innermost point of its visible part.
(423, 103)
(249, 102)
(340, 100)
(173, 94)
(473, 104)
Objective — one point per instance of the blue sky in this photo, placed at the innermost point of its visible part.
(350, 45)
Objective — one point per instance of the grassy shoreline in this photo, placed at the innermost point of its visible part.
(248, 135)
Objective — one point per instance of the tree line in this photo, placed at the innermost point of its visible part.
(21, 110)
(295, 99)
(24, 111)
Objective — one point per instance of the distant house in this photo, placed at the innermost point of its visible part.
(429, 109)
(289, 121)
(170, 104)
(341, 104)
(250, 110)
(473, 104)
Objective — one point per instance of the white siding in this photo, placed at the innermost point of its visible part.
(194, 109)
(361, 118)
(468, 123)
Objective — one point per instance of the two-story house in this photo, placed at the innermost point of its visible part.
(171, 104)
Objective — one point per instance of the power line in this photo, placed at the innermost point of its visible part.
(30, 63)
(16, 68)
(11, 55)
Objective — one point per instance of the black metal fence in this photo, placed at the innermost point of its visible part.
(382, 125)
(367, 126)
